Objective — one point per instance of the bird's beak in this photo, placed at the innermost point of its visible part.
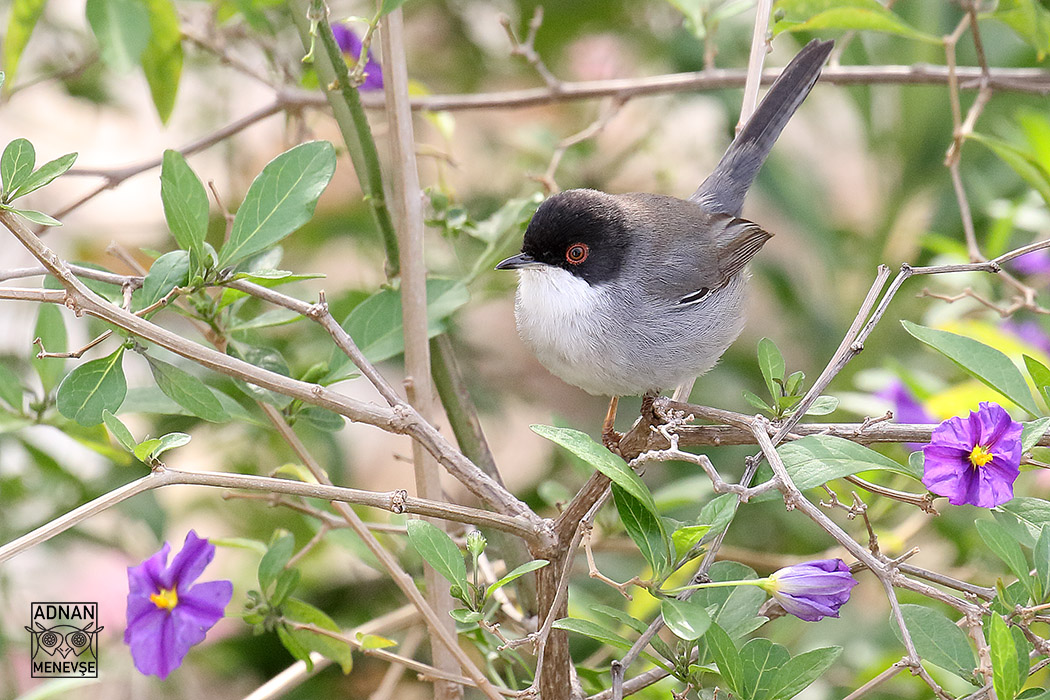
(516, 262)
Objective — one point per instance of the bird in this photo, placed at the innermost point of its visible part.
(631, 294)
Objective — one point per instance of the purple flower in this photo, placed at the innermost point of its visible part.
(813, 590)
(974, 460)
(906, 408)
(1030, 332)
(167, 612)
(1035, 263)
(350, 45)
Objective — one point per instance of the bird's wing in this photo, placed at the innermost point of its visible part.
(693, 252)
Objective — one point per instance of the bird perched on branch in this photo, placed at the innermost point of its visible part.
(629, 294)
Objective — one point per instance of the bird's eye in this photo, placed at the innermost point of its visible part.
(576, 253)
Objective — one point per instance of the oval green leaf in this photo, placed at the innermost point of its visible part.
(686, 619)
(980, 361)
(938, 639)
(612, 466)
(438, 550)
(185, 201)
(91, 388)
(280, 200)
(187, 391)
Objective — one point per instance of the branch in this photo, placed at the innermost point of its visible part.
(392, 501)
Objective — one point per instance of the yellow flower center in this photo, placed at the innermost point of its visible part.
(167, 599)
(980, 456)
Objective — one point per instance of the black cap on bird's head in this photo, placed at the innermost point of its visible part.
(581, 231)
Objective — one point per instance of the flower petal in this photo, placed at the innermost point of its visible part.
(205, 604)
(149, 576)
(154, 645)
(189, 563)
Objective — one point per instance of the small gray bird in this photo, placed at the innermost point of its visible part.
(628, 294)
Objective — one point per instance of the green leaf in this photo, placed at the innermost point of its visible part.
(280, 200)
(92, 388)
(376, 324)
(35, 217)
(1029, 20)
(687, 537)
(756, 402)
(736, 607)
(1006, 548)
(1032, 433)
(817, 459)
(267, 319)
(185, 201)
(938, 639)
(187, 391)
(1024, 164)
(761, 660)
(150, 399)
(823, 406)
(1004, 659)
(276, 558)
(122, 29)
(51, 330)
(287, 582)
(612, 466)
(771, 362)
(848, 15)
(374, 641)
(645, 529)
(119, 431)
(10, 388)
(1030, 515)
(438, 550)
(389, 6)
(1039, 372)
(984, 363)
(144, 449)
(294, 647)
(798, 673)
(466, 617)
(167, 272)
(162, 58)
(337, 650)
(167, 442)
(727, 658)
(16, 165)
(686, 619)
(718, 512)
(24, 16)
(514, 575)
(46, 173)
(592, 630)
(1041, 555)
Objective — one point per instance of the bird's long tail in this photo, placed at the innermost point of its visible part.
(723, 191)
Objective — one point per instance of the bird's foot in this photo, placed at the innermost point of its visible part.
(611, 438)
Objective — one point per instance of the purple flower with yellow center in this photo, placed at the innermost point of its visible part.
(350, 45)
(813, 590)
(974, 460)
(168, 612)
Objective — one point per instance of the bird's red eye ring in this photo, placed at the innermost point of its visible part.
(577, 253)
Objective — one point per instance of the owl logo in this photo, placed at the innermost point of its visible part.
(64, 640)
